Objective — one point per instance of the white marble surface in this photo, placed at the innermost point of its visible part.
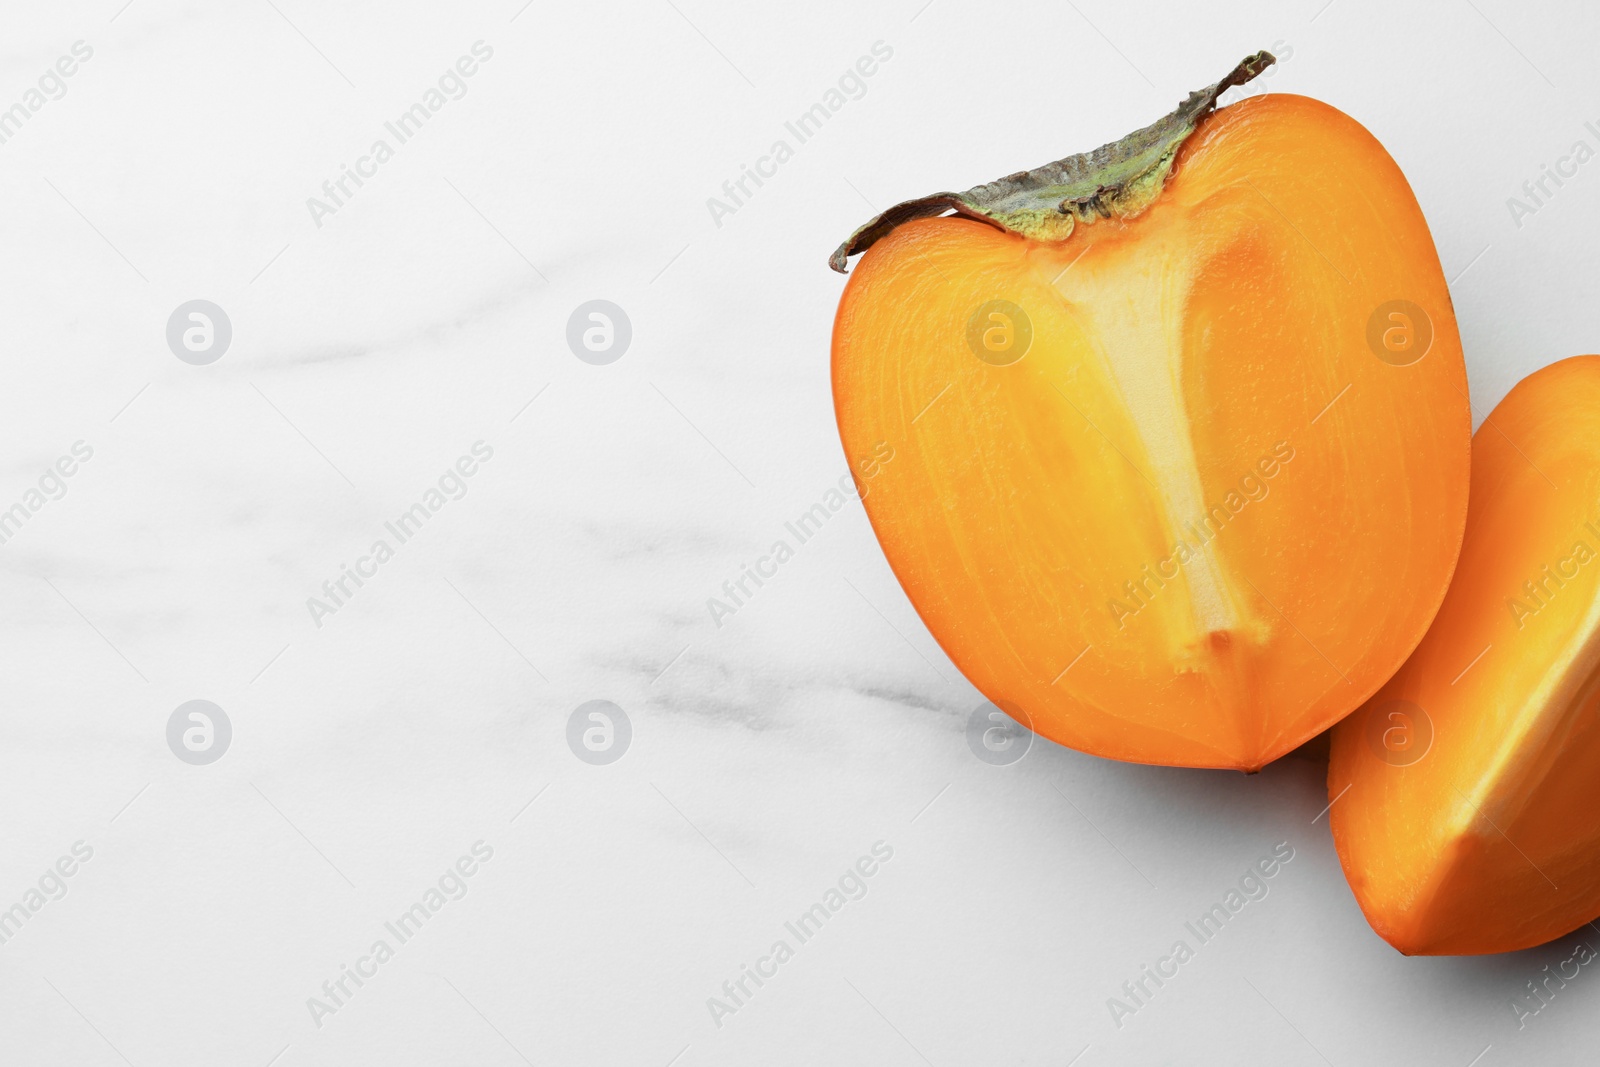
(768, 754)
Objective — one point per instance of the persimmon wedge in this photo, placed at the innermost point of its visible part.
(1180, 427)
(1467, 815)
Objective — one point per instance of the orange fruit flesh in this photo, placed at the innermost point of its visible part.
(1198, 520)
(1489, 839)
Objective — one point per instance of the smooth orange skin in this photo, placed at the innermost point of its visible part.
(1177, 357)
(1488, 839)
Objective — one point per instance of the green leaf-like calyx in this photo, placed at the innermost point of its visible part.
(1116, 180)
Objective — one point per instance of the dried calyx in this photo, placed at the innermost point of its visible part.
(1116, 180)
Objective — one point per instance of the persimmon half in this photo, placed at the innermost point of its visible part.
(1466, 795)
(1180, 428)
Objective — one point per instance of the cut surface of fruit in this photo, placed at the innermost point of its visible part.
(1182, 485)
(1469, 811)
